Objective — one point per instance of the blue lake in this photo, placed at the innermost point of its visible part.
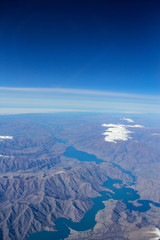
(72, 152)
(88, 221)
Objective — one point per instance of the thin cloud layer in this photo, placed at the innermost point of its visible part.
(41, 100)
(79, 91)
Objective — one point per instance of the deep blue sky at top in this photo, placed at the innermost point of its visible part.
(111, 45)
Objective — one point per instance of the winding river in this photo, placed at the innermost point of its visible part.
(124, 193)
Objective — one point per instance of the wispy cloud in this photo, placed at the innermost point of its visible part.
(25, 100)
(79, 91)
(7, 111)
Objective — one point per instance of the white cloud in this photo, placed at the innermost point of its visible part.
(6, 137)
(155, 134)
(128, 120)
(117, 132)
(135, 126)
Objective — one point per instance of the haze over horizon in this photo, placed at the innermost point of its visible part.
(48, 100)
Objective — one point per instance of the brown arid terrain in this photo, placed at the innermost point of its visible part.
(39, 184)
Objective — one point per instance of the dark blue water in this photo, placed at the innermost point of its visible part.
(71, 152)
(124, 193)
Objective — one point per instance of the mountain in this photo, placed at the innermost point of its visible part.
(40, 183)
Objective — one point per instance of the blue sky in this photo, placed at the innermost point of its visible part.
(100, 46)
